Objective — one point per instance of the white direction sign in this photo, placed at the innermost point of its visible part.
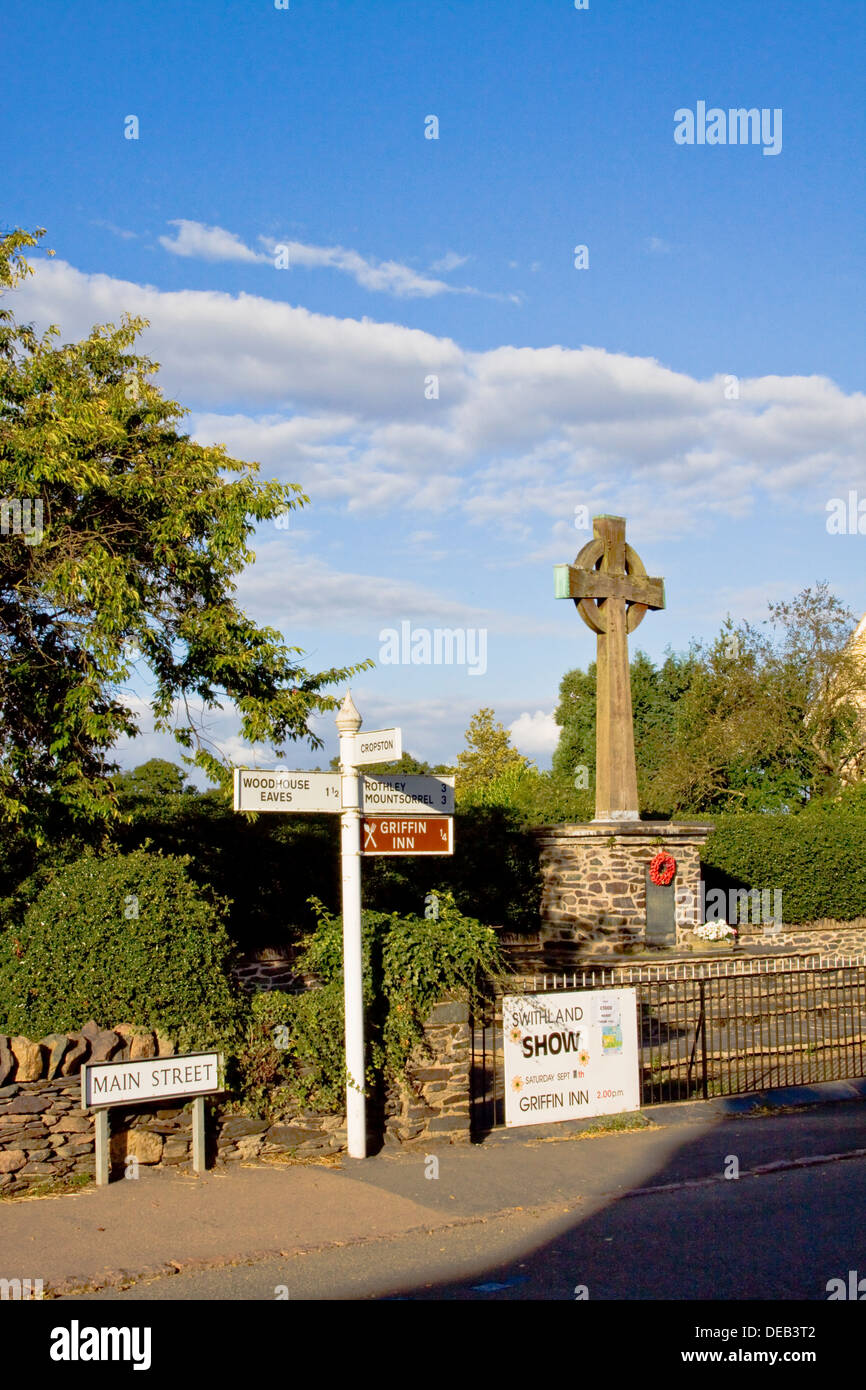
(388, 794)
(570, 1055)
(378, 746)
(269, 790)
(152, 1078)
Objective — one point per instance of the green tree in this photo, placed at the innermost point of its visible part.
(141, 535)
(488, 753)
(771, 719)
(760, 718)
(151, 780)
(121, 938)
(656, 693)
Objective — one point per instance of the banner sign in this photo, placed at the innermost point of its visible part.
(570, 1055)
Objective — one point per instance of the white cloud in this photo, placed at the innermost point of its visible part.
(518, 436)
(450, 261)
(388, 276)
(197, 240)
(207, 243)
(289, 588)
(536, 733)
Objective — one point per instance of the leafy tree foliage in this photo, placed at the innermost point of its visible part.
(762, 717)
(409, 963)
(142, 534)
(488, 752)
(814, 860)
(407, 763)
(151, 781)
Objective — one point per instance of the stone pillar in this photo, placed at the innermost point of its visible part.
(434, 1101)
(594, 883)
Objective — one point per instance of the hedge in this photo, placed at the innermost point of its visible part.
(121, 938)
(816, 858)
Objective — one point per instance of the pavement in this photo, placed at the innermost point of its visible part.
(99, 1242)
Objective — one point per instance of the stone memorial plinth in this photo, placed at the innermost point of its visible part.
(597, 898)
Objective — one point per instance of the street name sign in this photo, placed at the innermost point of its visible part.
(151, 1078)
(570, 1055)
(407, 835)
(389, 794)
(378, 746)
(269, 790)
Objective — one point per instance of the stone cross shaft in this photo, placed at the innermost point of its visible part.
(612, 592)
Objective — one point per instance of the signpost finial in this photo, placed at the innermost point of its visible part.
(348, 718)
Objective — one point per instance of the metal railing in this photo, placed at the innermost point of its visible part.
(711, 1033)
(609, 977)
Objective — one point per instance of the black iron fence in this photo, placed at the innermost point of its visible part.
(709, 1035)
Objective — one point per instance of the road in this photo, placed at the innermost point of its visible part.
(545, 1217)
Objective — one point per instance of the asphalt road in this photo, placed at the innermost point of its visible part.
(535, 1220)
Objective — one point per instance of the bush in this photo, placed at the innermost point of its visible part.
(409, 964)
(124, 938)
(814, 857)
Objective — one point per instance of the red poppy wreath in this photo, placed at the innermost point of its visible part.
(662, 869)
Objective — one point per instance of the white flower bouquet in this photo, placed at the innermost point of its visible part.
(716, 931)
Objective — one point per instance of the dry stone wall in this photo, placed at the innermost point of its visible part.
(45, 1135)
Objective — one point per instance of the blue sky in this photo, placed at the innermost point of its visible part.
(609, 387)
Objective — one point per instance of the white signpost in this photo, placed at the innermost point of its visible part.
(570, 1055)
(352, 794)
(285, 791)
(104, 1084)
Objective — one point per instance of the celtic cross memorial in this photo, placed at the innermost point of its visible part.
(612, 592)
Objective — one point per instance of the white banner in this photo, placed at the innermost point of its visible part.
(570, 1056)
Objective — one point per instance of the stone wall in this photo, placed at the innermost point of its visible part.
(44, 1133)
(435, 1102)
(825, 936)
(594, 880)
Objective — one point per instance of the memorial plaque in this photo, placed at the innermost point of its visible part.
(661, 916)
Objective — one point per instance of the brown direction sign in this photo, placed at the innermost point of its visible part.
(407, 835)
